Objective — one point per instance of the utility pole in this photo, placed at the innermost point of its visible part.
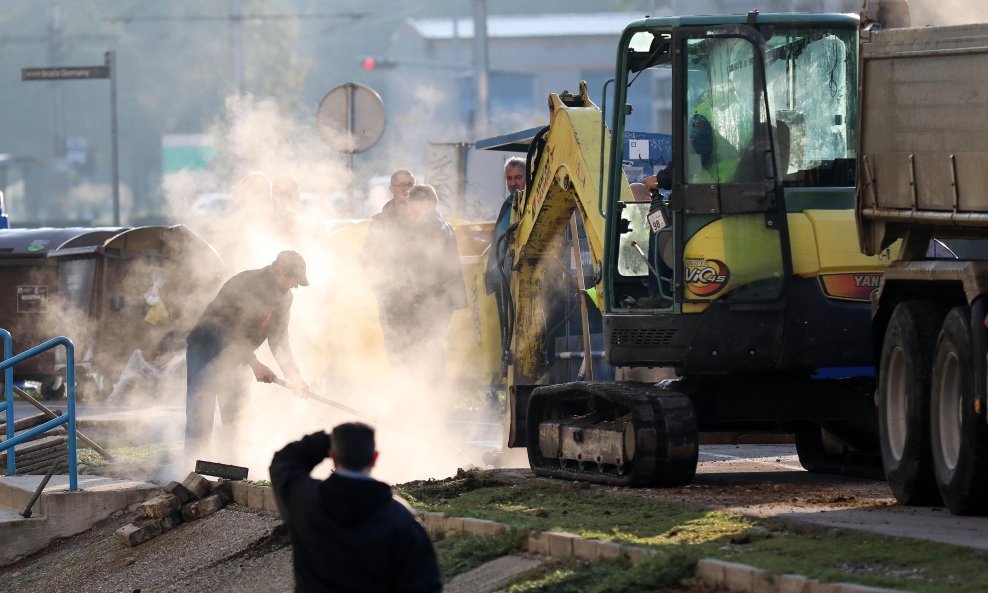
(480, 117)
(237, 45)
(57, 206)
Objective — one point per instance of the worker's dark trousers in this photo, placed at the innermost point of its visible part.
(211, 379)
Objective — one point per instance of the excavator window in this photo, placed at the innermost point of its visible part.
(811, 77)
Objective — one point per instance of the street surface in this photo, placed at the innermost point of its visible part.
(757, 480)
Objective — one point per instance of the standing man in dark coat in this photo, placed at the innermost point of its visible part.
(348, 534)
(433, 285)
(384, 257)
(253, 306)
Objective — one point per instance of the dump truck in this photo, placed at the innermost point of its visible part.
(923, 174)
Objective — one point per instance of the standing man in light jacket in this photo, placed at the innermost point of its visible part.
(348, 533)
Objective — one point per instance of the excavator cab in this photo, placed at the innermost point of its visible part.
(762, 128)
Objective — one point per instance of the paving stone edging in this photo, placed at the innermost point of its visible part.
(731, 576)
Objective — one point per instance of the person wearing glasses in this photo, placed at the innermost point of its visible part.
(385, 257)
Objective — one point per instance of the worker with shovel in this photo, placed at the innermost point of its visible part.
(253, 306)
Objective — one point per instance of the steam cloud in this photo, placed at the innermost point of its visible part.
(334, 330)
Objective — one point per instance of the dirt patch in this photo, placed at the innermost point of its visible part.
(438, 491)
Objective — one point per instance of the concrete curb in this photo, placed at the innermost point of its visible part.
(728, 576)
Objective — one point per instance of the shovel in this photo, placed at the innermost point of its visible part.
(364, 416)
(329, 402)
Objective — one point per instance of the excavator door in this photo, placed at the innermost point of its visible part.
(731, 234)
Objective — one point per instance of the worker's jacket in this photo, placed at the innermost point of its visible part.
(249, 309)
(348, 534)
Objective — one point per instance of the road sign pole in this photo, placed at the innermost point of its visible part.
(351, 119)
(111, 64)
(107, 70)
(351, 130)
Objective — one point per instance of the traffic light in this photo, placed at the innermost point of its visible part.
(373, 63)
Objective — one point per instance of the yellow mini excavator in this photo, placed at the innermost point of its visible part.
(745, 277)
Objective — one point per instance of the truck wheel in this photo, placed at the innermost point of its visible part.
(903, 401)
(958, 433)
(53, 388)
(811, 448)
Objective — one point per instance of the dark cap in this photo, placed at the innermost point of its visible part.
(292, 264)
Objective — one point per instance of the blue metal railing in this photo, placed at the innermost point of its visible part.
(7, 366)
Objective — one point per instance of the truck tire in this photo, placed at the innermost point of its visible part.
(903, 401)
(958, 433)
(52, 388)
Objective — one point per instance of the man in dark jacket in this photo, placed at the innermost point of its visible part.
(253, 306)
(384, 257)
(348, 534)
(497, 278)
(434, 287)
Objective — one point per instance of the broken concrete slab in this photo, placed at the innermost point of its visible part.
(202, 508)
(198, 485)
(160, 506)
(139, 532)
(179, 491)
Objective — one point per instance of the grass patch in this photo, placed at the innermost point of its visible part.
(658, 574)
(542, 506)
(896, 563)
(464, 552)
(93, 463)
(683, 534)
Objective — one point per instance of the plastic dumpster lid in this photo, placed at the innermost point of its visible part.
(158, 240)
(40, 242)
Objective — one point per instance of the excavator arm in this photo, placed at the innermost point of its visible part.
(565, 178)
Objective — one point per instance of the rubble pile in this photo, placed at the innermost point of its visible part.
(194, 498)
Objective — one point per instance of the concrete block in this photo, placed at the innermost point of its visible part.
(482, 527)
(710, 571)
(202, 508)
(609, 550)
(179, 491)
(764, 582)
(239, 489)
(854, 588)
(637, 555)
(255, 497)
(561, 545)
(171, 521)
(138, 532)
(792, 583)
(741, 577)
(821, 587)
(538, 543)
(270, 504)
(586, 549)
(453, 525)
(433, 522)
(198, 485)
(160, 506)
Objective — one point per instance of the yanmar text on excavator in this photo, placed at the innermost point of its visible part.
(745, 277)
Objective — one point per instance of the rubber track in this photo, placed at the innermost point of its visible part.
(666, 448)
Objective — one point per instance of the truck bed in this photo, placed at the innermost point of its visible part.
(923, 146)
